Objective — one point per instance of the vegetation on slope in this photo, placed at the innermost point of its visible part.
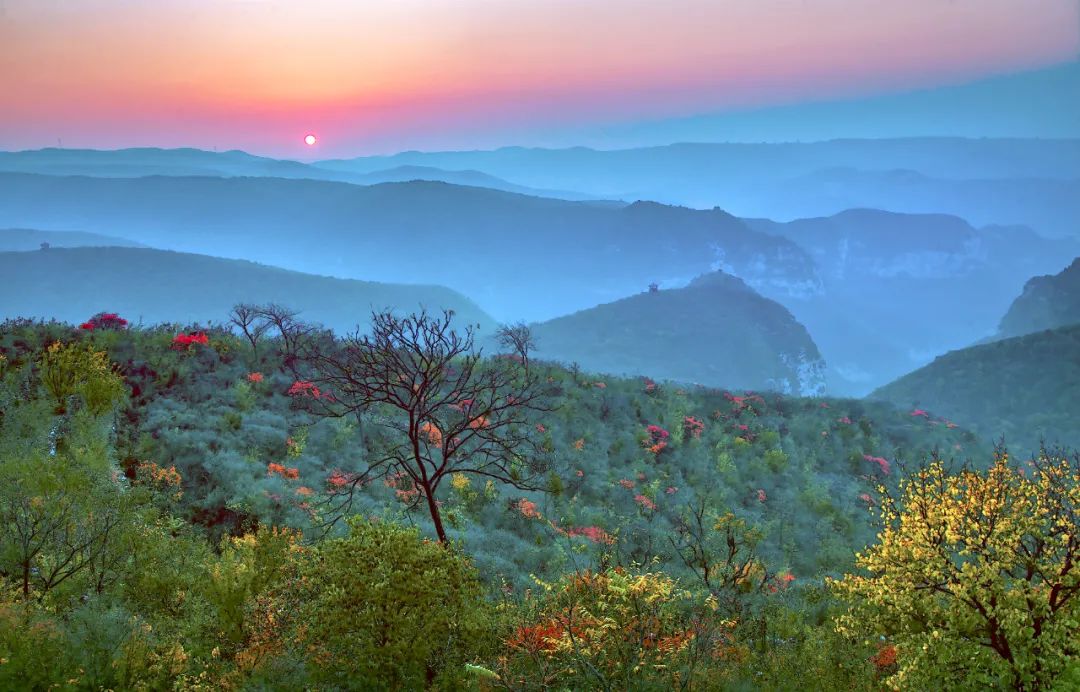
(1021, 389)
(716, 331)
(1047, 302)
(678, 547)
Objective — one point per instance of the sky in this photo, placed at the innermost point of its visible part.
(378, 76)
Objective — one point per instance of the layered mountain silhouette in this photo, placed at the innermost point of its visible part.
(1033, 182)
(149, 161)
(521, 257)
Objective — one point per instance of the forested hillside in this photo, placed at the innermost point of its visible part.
(1047, 302)
(198, 506)
(716, 331)
(1021, 389)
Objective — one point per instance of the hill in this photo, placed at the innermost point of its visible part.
(1047, 302)
(521, 257)
(1023, 389)
(15, 239)
(155, 286)
(717, 331)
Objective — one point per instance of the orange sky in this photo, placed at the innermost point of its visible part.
(377, 75)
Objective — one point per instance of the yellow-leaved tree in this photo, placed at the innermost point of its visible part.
(973, 581)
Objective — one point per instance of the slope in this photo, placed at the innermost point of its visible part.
(1023, 389)
(717, 331)
(154, 286)
(1047, 302)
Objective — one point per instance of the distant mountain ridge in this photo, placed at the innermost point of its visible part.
(716, 331)
(1033, 182)
(1047, 302)
(522, 257)
(143, 162)
(12, 239)
(71, 284)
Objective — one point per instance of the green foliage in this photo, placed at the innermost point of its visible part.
(384, 607)
(179, 578)
(74, 369)
(1022, 389)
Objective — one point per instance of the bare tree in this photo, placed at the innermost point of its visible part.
(445, 408)
(293, 332)
(250, 320)
(518, 339)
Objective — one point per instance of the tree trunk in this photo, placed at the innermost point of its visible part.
(436, 514)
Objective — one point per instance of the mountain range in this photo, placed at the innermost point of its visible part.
(522, 257)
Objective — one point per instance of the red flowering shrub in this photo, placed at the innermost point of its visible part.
(303, 388)
(534, 639)
(527, 508)
(593, 533)
(693, 427)
(761, 496)
(432, 432)
(884, 658)
(657, 440)
(645, 503)
(337, 479)
(183, 342)
(255, 377)
(882, 463)
(104, 321)
(650, 386)
(283, 471)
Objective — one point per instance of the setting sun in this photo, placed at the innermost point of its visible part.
(310, 140)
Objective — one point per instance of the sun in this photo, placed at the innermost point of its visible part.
(310, 140)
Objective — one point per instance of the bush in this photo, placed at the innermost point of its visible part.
(384, 608)
(975, 575)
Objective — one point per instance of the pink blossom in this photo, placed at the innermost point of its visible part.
(881, 462)
(645, 502)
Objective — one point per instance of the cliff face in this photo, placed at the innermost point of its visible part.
(1047, 302)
